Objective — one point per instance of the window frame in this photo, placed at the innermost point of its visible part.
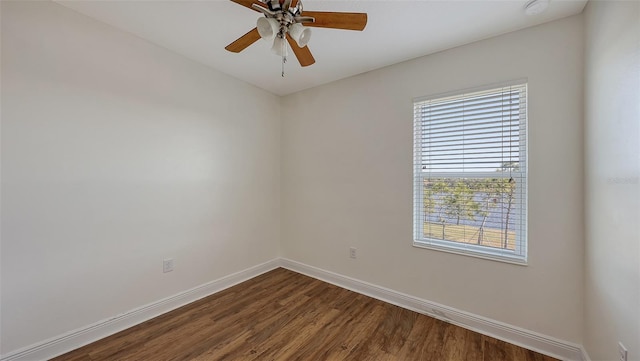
(517, 256)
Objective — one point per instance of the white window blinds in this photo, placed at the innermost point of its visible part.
(470, 172)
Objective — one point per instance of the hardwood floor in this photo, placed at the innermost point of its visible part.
(283, 315)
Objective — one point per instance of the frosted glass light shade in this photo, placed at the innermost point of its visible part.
(300, 34)
(279, 46)
(268, 28)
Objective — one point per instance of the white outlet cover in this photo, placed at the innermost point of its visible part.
(167, 265)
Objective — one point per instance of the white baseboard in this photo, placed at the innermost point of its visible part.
(71, 340)
(518, 336)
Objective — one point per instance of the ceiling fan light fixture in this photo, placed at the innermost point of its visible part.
(300, 34)
(279, 46)
(268, 28)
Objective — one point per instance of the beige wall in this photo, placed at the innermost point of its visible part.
(347, 180)
(612, 152)
(116, 154)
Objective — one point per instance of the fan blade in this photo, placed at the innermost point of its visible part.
(346, 21)
(248, 3)
(244, 41)
(303, 54)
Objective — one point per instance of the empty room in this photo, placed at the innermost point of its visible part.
(436, 180)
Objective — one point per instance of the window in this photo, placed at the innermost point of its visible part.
(470, 172)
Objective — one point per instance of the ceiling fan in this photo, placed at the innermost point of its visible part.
(285, 19)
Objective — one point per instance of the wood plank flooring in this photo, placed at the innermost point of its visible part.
(283, 315)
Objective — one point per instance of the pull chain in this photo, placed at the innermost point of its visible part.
(284, 56)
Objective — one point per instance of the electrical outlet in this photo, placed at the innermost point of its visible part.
(622, 352)
(352, 252)
(167, 265)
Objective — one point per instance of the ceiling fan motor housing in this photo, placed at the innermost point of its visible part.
(278, 22)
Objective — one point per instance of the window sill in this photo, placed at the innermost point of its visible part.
(488, 254)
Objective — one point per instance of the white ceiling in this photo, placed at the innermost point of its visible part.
(397, 30)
